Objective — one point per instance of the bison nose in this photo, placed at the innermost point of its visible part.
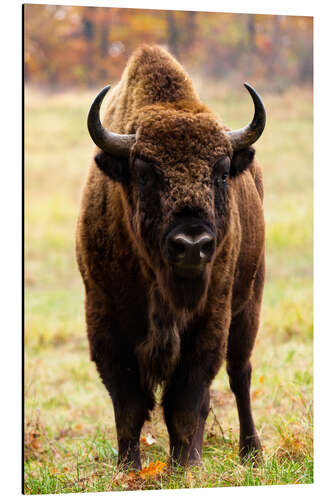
(190, 251)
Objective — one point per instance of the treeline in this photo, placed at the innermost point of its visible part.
(87, 46)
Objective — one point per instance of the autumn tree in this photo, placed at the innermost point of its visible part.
(89, 46)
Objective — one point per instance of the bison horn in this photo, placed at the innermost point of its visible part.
(244, 137)
(117, 144)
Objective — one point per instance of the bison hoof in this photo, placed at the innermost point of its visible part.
(250, 451)
(127, 465)
(194, 462)
(188, 462)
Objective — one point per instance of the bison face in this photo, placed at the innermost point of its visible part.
(176, 174)
(179, 200)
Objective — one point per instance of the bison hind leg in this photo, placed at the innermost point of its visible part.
(243, 331)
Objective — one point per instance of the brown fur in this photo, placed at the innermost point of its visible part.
(146, 326)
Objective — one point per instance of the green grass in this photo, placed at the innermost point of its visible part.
(70, 440)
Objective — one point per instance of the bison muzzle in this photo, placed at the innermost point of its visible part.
(170, 245)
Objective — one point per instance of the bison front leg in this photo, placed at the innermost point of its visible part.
(131, 409)
(118, 369)
(195, 454)
(186, 407)
(186, 400)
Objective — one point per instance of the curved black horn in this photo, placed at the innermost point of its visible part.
(244, 137)
(117, 144)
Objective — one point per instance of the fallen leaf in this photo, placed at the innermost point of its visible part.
(152, 470)
(261, 379)
(147, 440)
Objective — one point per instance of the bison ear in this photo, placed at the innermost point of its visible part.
(241, 160)
(114, 167)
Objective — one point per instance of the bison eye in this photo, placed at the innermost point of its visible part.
(143, 170)
(221, 170)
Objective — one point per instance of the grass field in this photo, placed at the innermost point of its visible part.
(70, 441)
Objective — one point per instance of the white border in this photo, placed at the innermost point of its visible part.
(10, 210)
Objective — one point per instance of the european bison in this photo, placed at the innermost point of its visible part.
(170, 245)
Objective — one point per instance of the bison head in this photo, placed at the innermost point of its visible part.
(175, 172)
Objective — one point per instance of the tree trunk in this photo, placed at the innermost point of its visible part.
(252, 43)
(190, 28)
(274, 63)
(173, 33)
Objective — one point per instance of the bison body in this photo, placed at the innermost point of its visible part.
(170, 245)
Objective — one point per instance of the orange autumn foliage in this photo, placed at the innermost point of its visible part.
(88, 46)
(153, 470)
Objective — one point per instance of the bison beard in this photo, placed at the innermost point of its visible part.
(170, 246)
(191, 294)
(186, 295)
